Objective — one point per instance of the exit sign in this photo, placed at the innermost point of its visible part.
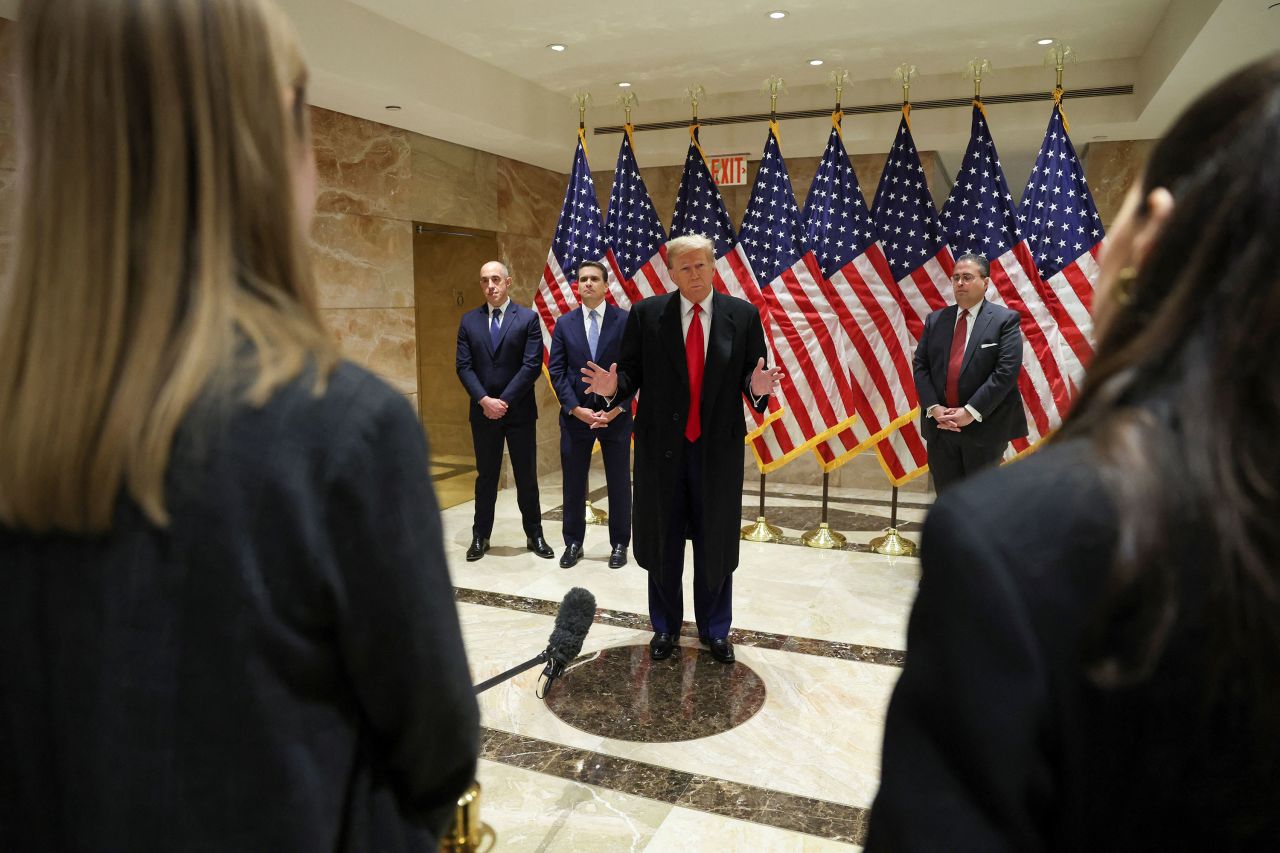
(728, 170)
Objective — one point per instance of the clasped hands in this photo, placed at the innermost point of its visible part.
(605, 382)
(596, 420)
(952, 420)
(493, 408)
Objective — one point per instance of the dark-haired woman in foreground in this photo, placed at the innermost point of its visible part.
(226, 622)
(1093, 661)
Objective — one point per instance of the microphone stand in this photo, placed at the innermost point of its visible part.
(542, 657)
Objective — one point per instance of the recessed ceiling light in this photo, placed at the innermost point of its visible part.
(777, 15)
(624, 85)
(558, 48)
(1044, 41)
(815, 61)
(395, 108)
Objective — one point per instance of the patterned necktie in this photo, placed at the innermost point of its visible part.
(593, 333)
(696, 356)
(956, 359)
(495, 326)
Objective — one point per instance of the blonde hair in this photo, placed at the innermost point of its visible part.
(156, 228)
(690, 243)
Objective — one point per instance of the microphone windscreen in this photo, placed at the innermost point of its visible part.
(573, 620)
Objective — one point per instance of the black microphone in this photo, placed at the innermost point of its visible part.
(573, 620)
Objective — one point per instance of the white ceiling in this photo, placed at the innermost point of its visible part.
(663, 45)
(478, 73)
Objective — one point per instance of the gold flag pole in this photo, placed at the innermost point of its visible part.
(1058, 54)
(591, 514)
(892, 543)
(976, 68)
(903, 74)
(823, 536)
(762, 530)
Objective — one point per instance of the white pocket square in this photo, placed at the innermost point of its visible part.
(984, 346)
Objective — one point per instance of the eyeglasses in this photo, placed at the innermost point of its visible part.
(967, 278)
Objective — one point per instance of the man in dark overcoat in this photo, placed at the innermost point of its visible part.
(694, 356)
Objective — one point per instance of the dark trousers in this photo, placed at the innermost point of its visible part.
(952, 458)
(713, 609)
(521, 443)
(575, 463)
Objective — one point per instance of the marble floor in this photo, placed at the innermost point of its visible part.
(778, 752)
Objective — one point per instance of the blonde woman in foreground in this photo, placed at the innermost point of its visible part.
(226, 620)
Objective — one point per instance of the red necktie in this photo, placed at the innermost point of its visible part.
(954, 362)
(695, 356)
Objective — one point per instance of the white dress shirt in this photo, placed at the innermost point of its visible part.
(586, 318)
(489, 309)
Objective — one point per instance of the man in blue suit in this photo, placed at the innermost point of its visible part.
(591, 332)
(499, 358)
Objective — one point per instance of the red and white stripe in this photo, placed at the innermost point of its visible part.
(1072, 287)
(873, 329)
(727, 281)
(817, 396)
(1044, 380)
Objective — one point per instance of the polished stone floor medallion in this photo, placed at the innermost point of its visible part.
(620, 693)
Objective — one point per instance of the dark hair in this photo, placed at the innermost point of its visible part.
(980, 260)
(1182, 400)
(604, 273)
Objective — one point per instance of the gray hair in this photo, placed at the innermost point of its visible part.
(690, 243)
(980, 260)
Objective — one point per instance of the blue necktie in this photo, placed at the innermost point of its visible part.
(593, 333)
(494, 327)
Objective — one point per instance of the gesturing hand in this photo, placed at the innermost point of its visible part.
(601, 381)
(764, 379)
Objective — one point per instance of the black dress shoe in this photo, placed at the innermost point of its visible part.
(618, 558)
(722, 650)
(478, 546)
(539, 546)
(572, 554)
(661, 646)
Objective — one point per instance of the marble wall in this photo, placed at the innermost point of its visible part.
(1110, 168)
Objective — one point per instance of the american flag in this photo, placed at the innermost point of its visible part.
(1065, 234)
(770, 253)
(858, 285)
(634, 232)
(920, 260)
(979, 216)
(579, 237)
(700, 210)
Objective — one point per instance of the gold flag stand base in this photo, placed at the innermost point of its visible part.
(823, 536)
(761, 531)
(466, 832)
(892, 544)
(596, 516)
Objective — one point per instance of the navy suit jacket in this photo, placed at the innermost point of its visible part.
(570, 353)
(506, 372)
(988, 373)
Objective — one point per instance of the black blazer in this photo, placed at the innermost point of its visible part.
(653, 362)
(570, 352)
(280, 669)
(997, 741)
(506, 373)
(988, 374)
